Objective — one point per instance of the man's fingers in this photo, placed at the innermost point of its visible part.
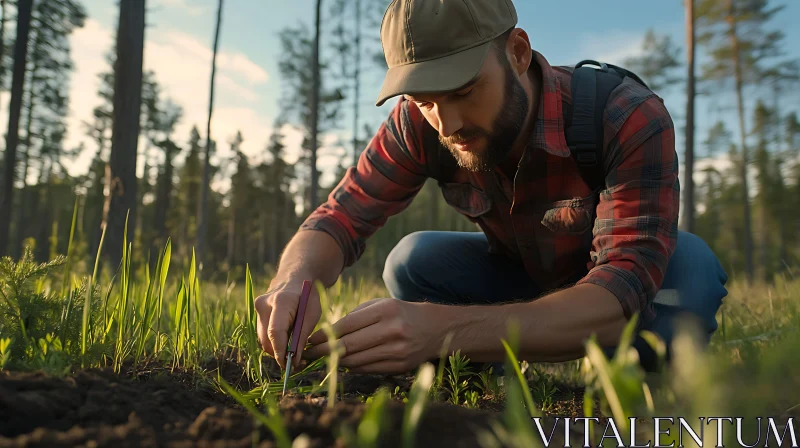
(372, 355)
(264, 312)
(383, 367)
(353, 321)
(365, 304)
(278, 331)
(355, 342)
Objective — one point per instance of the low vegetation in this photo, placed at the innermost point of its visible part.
(62, 322)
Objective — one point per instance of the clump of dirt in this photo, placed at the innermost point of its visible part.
(154, 408)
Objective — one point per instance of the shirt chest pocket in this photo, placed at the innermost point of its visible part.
(569, 217)
(466, 199)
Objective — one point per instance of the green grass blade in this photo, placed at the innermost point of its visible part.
(526, 391)
(249, 299)
(371, 425)
(602, 369)
(273, 422)
(193, 296)
(178, 324)
(87, 303)
(147, 306)
(416, 404)
(68, 264)
(167, 257)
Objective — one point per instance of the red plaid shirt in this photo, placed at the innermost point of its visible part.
(547, 217)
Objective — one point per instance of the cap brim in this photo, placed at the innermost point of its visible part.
(437, 75)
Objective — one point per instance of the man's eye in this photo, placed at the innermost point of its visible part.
(425, 105)
(463, 94)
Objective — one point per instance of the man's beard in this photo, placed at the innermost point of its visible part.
(505, 130)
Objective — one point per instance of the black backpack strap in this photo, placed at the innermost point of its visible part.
(584, 124)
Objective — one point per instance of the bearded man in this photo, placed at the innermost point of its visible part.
(485, 115)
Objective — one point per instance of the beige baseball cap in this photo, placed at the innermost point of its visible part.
(439, 45)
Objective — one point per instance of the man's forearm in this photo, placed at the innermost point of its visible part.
(313, 255)
(553, 328)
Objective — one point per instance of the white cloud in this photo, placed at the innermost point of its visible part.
(235, 64)
(612, 47)
(182, 66)
(192, 10)
(226, 83)
(241, 64)
(89, 45)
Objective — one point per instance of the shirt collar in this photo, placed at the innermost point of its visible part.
(548, 132)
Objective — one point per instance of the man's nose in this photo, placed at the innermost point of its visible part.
(449, 121)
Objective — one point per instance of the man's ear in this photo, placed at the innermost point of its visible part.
(519, 50)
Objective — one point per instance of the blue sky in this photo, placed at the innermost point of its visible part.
(179, 40)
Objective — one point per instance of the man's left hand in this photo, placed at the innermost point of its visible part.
(381, 336)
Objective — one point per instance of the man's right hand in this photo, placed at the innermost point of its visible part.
(277, 310)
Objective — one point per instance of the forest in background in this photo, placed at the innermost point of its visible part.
(748, 212)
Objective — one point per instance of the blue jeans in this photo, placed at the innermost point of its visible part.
(456, 268)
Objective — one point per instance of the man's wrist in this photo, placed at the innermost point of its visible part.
(292, 275)
(476, 330)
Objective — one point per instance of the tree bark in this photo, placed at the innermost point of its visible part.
(143, 190)
(24, 212)
(356, 83)
(748, 232)
(121, 196)
(315, 111)
(163, 198)
(231, 237)
(4, 12)
(688, 197)
(262, 238)
(203, 206)
(24, 9)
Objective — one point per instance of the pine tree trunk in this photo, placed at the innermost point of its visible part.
(783, 216)
(163, 200)
(315, 111)
(24, 9)
(231, 231)
(262, 238)
(202, 218)
(24, 210)
(121, 197)
(143, 190)
(748, 232)
(4, 13)
(280, 215)
(356, 82)
(762, 162)
(42, 206)
(688, 197)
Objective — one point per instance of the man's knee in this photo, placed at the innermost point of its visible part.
(397, 272)
(695, 280)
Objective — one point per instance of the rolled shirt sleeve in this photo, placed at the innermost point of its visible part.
(637, 214)
(389, 174)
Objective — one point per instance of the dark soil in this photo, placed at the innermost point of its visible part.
(153, 406)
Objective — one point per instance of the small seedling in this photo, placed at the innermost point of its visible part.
(471, 399)
(5, 352)
(487, 382)
(456, 376)
(403, 396)
(543, 390)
